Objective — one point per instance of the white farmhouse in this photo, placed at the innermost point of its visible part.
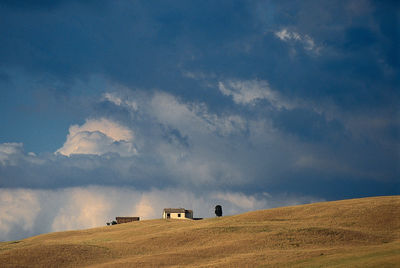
(177, 213)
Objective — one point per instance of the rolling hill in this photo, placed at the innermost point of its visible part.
(349, 233)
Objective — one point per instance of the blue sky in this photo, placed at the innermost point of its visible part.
(124, 107)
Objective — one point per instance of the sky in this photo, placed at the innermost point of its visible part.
(123, 108)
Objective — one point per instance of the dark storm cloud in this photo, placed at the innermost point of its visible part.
(133, 42)
(308, 125)
(149, 45)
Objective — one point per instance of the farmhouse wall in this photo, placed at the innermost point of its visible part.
(126, 219)
(177, 213)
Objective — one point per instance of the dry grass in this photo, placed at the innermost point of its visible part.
(350, 233)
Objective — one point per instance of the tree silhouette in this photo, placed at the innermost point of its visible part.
(218, 210)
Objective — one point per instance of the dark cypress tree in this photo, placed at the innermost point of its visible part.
(218, 210)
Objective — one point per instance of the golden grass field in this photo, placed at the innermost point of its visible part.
(349, 233)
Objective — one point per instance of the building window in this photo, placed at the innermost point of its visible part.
(179, 215)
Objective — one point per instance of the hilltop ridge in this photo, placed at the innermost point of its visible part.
(356, 232)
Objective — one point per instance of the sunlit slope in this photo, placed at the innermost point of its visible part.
(349, 233)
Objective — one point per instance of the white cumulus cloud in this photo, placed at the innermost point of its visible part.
(119, 100)
(12, 153)
(193, 119)
(99, 136)
(7, 150)
(248, 92)
(290, 36)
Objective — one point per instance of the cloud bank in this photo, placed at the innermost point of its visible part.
(28, 212)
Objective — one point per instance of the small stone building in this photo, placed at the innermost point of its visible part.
(126, 219)
(177, 213)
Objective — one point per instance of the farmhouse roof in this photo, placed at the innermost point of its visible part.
(176, 210)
